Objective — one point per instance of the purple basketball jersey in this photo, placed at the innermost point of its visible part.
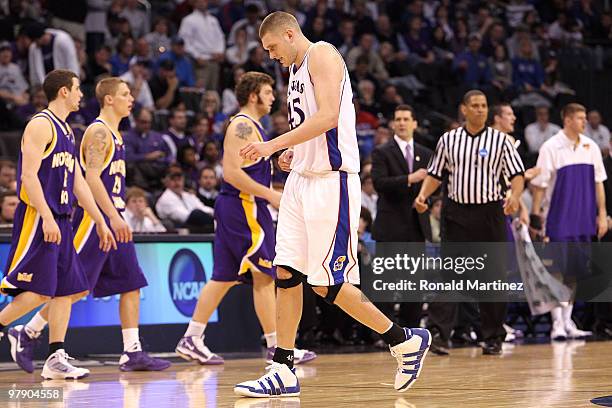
(56, 173)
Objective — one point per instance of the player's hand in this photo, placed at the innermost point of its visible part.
(122, 230)
(602, 225)
(420, 204)
(511, 205)
(284, 160)
(532, 173)
(51, 231)
(275, 198)
(417, 176)
(107, 241)
(254, 151)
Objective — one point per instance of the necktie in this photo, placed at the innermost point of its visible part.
(409, 157)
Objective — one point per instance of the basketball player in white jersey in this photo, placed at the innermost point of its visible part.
(319, 209)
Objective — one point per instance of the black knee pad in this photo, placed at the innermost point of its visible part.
(332, 293)
(292, 282)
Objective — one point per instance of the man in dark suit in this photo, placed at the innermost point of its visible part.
(398, 168)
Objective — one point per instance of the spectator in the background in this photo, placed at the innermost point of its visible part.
(142, 49)
(418, 42)
(136, 78)
(516, 10)
(495, 37)
(187, 159)
(50, 49)
(147, 154)
(366, 48)
(541, 130)
(472, 65)
(181, 207)
(598, 132)
(250, 24)
(205, 42)
(365, 125)
(344, 38)
(368, 194)
(13, 89)
(527, 72)
(389, 101)
(99, 64)
(121, 60)
(280, 124)
(383, 135)
(256, 60)
(367, 97)
(210, 157)
(385, 31)
(200, 133)
(182, 64)
(176, 137)
(363, 22)
(137, 17)
(238, 53)
(501, 69)
(316, 32)
(158, 39)
(8, 175)
(8, 205)
(513, 44)
(362, 73)
(435, 214)
(164, 86)
(38, 102)
(69, 16)
(460, 39)
(138, 214)
(96, 26)
(230, 102)
(207, 189)
(211, 109)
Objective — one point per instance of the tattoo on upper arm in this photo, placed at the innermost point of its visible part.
(95, 151)
(243, 130)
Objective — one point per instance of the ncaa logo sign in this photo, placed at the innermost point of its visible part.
(186, 279)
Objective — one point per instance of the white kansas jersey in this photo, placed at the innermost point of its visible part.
(335, 150)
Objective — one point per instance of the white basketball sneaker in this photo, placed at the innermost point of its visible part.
(558, 332)
(57, 367)
(574, 332)
(278, 381)
(410, 355)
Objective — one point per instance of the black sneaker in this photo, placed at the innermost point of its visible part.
(438, 346)
(492, 348)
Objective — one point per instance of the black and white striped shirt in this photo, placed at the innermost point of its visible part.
(476, 164)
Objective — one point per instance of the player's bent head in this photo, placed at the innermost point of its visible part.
(278, 33)
(250, 85)
(58, 79)
(107, 88)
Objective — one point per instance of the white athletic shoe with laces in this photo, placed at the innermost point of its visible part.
(57, 367)
(410, 355)
(278, 381)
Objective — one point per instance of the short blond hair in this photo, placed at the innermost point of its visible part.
(107, 86)
(279, 20)
(135, 192)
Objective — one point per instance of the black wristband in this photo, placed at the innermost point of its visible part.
(535, 221)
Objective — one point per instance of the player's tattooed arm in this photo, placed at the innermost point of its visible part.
(243, 130)
(96, 146)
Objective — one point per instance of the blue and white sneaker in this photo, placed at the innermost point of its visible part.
(192, 348)
(299, 356)
(279, 381)
(22, 348)
(57, 367)
(410, 355)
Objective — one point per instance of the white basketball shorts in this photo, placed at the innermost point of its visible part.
(317, 227)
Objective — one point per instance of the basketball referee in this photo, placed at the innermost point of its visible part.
(476, 158)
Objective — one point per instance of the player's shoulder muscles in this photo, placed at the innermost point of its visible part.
(39, 132)
(240, 132)
(325, 63)
(96, 144)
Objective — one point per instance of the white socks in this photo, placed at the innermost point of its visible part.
(35, 326)
(567, 313)
(131, 340)
(270, 339)
(557, 314)
(195, 329)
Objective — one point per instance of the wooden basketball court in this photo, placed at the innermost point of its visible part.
(547, 375)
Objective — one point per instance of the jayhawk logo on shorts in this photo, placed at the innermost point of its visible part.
(339, 263)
